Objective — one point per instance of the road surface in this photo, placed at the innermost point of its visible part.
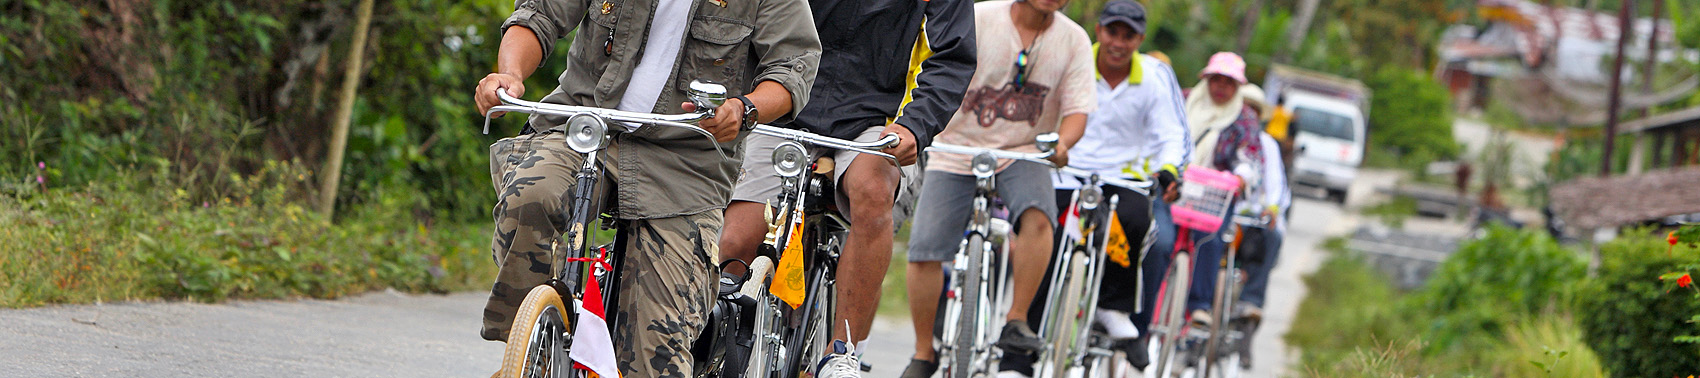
(381, 334)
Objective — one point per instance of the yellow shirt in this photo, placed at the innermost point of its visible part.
(1278, 123)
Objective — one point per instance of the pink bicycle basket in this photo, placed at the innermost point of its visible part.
(1204, 199)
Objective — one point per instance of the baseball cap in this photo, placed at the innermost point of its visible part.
(1225, 64)
(1127, 11)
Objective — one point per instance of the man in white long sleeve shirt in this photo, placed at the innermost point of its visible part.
(1139, 132)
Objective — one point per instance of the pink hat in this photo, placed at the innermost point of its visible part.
(1225, 64)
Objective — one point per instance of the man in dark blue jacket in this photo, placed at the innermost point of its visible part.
(887, 67)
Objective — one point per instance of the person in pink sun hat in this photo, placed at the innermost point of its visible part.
(1214, 103)
(1217, 111)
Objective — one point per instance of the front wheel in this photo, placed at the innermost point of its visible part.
(1173, 314)
(1067, 327)
(538, 341)
(962, 358)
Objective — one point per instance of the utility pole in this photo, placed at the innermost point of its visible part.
(1623, 15)
(344, 111)
(1652, 64)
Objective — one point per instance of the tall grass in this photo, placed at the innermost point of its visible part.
(126, 239)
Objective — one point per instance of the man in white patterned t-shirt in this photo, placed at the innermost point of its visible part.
(1034, 75)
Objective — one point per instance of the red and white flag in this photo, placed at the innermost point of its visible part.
(592, 347)
(1070, 220)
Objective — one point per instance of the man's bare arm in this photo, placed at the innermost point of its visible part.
(519, 56)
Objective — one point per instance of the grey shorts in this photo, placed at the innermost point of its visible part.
(757, 182)
(941, 214)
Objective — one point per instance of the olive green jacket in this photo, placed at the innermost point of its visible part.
(662, 171)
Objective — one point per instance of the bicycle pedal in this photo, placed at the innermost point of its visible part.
(867, 367)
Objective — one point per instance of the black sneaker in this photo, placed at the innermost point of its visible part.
(920, 368)
(1136, 351)
(1018, 337)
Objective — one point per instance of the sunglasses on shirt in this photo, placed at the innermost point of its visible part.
(1021, 69)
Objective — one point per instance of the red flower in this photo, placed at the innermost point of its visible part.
(1671, 238)
(1684, 281)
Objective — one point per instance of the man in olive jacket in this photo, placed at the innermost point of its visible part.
(670, 184)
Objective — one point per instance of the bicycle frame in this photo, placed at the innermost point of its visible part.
(807, 197)
(979, 275)
(1095, 214)
(993, 234)
(1222, 336)
(589, 131)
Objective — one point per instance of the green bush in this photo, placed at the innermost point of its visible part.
(1499, 307)
(1490, 282)
(1630, 319)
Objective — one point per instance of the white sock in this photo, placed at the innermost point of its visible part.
(1117, 324)
(861, 348)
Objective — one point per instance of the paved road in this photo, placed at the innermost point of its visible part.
(376, 335)
(386, 334)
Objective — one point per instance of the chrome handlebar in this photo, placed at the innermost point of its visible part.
(1040, 157)
(516, 105)
(1138, 186)
(870, 148)
(1254, 221)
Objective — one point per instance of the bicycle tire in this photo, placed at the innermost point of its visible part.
(1066, 326)
(530, 352)
(1219, 308)
(1173, 310)
(811, 336)
(761, 347)
(962, 359)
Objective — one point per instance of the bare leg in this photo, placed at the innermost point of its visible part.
(926, 279)
(1030, 252)
(743, 231)
(871, 186)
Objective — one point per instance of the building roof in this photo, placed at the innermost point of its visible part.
(1676, 118)
(1594, 202)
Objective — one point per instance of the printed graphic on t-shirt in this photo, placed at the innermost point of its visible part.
(1021, 104)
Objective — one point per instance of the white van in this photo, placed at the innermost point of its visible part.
(1329, 138)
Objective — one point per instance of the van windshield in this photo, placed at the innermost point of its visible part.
(1324, 124)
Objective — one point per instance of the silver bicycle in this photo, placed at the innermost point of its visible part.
(1072, 346)
(979, 271)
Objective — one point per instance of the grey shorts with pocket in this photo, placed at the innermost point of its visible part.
(757, 182)
(947, 199)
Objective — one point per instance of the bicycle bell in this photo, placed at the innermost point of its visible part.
(586, 133)
(707, 95)
(1046, 141)
(788, 159)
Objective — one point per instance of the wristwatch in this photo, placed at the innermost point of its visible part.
(750, 114)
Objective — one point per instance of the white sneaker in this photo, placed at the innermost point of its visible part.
(1011, 374)
(1117, 324)
(840, 363)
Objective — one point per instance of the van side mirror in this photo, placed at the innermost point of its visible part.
(1046, 142)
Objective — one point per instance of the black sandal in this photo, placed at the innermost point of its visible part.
(920, 368)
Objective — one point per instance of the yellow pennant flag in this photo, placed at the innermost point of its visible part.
(788, 276)
(1117, 246)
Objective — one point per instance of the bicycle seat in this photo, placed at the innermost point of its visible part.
(824, 165)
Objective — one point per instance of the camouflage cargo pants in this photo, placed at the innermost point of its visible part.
(669, 282)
